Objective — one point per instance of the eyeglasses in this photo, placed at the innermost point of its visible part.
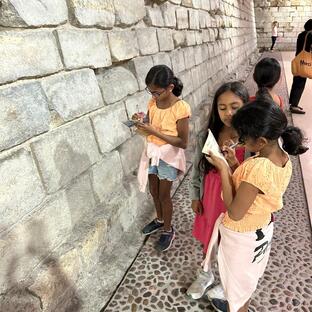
(154, 93)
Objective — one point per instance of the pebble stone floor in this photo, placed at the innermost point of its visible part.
(157, 282)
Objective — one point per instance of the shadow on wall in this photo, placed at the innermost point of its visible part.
(53, 284)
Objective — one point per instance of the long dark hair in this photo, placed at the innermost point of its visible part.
(215, 124)
(308, 25)
(266, 75)
(162, 76)
(263, 118)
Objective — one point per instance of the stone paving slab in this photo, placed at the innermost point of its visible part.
(157, 282)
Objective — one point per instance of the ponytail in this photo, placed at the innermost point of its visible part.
(178, 86)
(293, 141)
(263, 94)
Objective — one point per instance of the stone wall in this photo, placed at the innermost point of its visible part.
(71, 72)
(291, 16)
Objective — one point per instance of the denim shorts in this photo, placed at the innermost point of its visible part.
(164, 171)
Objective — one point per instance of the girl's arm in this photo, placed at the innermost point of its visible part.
(237, 203)
(179, 141)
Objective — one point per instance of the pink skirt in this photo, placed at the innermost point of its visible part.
(213, 206)
(212, 203)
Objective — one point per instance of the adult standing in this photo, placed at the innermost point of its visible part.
(274, 34)
(299, 82)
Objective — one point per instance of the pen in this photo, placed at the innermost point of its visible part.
(234, 145)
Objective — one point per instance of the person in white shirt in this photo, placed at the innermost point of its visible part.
(274, 34)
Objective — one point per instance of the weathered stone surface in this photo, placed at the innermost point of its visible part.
(194, 19)
(106, 177)
(93, 12)
(165, 39)
(198, 37)
(82, 48)
(169, 15)
(189, 56)
(24, 54)
(130, 153)
(141, 66)
(176, 1)
(116, 83)
(179, 38)
(109, 129)
(65, 153)
(123, 45)
(129, 12)
(162, 58)
(177, 59)
(19, 299)
(198, 54)
(16, 13)
(182, 18)
(21, 189)
(186, 78)
(33, 239)
(73, 94)
(55, 282)
(190, 38)
(80, 198)
(203, 19)
(187, 3)
(147, 40)
(154, 17)
(137, 102)
(24, 113)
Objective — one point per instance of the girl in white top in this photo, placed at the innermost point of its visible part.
(274, 33)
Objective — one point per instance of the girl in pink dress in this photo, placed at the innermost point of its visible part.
(205, 185)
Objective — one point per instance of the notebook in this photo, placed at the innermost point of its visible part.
(212, 145)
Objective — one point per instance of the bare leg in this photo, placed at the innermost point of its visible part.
(154, 190)
(244, 308)
(166, 202)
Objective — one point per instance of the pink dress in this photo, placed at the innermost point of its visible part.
(213, 205)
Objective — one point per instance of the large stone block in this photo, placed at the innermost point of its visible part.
(21, 189)
(129, 12)
(162, 59)
(130, 153)
(81, 48)
(106, 177)
(198, 54)
(194, 19)
(177, 59)
(140, 66)
(179, 39)
(186, 78)
(182, 18)
(116, 83)
(65, 153)
(33, 239)
(24, 54)
(154, 17)
(187, 3)
(165, 39)
(137, 102)
(109, 128)
(93, 12)
(24, 113)
(147, 40)
(80, 198)
(73, 94)
(189, 56)
(190, 38)
(123, 45)
(16, 13)
(169, 15)
(55, 283)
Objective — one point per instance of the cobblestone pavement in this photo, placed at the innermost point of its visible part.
(157, 282)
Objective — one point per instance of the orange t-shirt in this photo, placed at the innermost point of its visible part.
(165, 120)
(272, 180)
